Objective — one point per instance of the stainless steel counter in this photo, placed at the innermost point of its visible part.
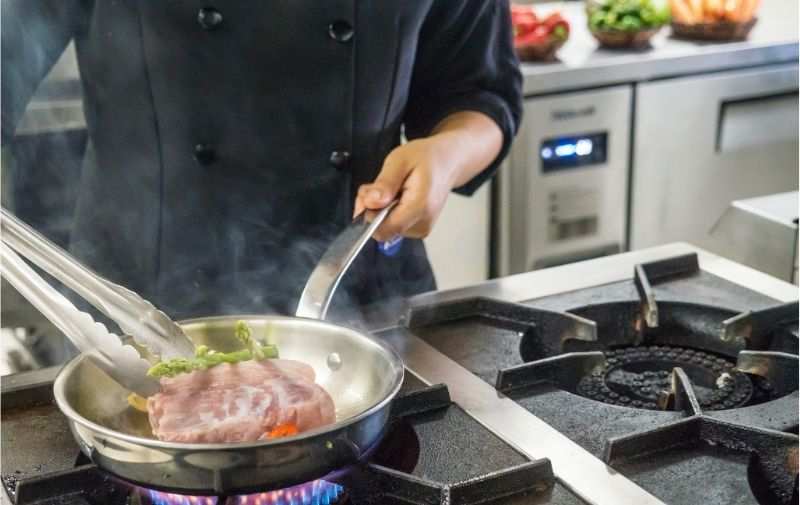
(761, 232)
(583, 65)
(605, 270)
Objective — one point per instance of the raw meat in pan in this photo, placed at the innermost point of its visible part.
(239, 402)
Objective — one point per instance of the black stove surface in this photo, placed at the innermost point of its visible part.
(433, 453)
(701, 431)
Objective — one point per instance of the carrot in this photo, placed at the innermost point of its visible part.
(740, 10)
(732, 10)
(747, 10)
(715, 9)
(697, 8)
(681, 12)
(282, 430)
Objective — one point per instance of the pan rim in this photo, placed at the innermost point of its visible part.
(392, 358)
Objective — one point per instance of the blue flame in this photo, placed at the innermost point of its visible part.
(318, 492)
(159, 498)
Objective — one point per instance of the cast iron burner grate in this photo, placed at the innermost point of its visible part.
(640, 376)
(623, 353)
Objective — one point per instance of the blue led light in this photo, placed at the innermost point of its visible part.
(564, 150)
(572, 151)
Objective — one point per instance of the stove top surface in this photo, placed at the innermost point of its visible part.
(683, 408)
(672, 385)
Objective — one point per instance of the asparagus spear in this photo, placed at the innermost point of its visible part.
(205, 358)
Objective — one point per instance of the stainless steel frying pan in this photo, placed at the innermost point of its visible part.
(361, 374)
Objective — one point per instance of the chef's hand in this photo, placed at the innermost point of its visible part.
(424, 171)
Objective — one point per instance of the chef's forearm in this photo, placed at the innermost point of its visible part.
(472, 141)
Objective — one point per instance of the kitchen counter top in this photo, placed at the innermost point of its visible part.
(583, 64)
(780, 208)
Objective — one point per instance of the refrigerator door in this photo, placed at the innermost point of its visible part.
(702, 142)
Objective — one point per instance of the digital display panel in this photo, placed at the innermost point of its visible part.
(573, 151)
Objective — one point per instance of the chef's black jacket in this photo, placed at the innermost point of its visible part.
(228, 138)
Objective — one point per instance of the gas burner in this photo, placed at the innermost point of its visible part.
(318, 492)
(630, 364)
(624, 352)
(640, 376)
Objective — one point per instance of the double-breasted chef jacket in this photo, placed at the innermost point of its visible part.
(228, 138)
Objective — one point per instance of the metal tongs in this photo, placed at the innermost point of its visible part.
(148, 327)
(121, 362)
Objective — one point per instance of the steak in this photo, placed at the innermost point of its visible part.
(239, 402)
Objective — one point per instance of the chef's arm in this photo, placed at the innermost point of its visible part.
(472, 141)
(464, 108)
(34, 34)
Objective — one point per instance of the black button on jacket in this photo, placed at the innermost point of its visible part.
(211, 186)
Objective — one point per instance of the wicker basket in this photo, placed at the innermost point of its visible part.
(540, 52)
(618, 39)
(720, 31)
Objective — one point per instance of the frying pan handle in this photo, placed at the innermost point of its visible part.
(325, 278)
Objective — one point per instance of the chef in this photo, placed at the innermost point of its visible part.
(230, 141)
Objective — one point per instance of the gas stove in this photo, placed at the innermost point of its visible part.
(667, 375)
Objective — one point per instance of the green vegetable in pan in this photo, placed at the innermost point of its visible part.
(205, 358)
(258, 351)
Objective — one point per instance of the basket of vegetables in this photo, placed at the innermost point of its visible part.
(625, 23)
(537, 38)
(720, 20)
